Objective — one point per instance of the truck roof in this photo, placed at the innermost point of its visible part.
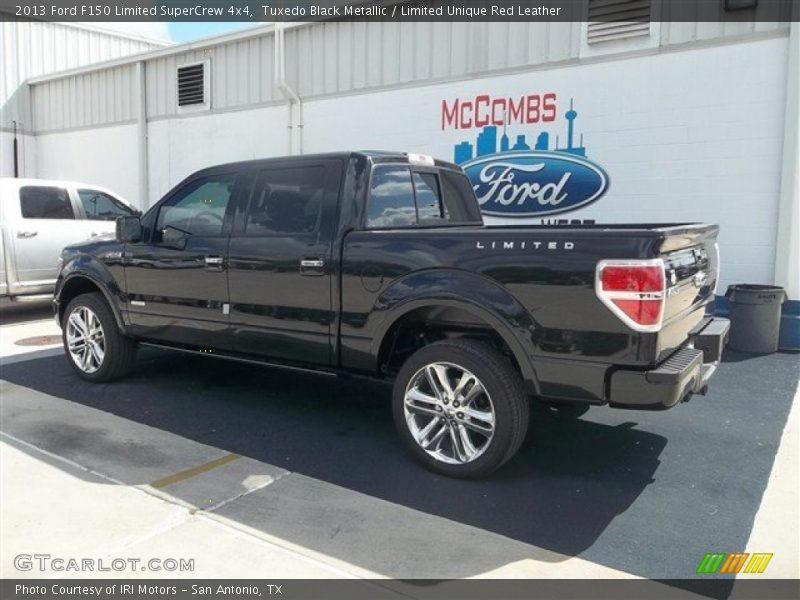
(376, 156)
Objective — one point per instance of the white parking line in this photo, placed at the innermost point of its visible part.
(776, 527)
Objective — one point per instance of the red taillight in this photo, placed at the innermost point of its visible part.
(634, 291)
(632, 278)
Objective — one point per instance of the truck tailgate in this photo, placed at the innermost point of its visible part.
(691, 261)
(691, 264)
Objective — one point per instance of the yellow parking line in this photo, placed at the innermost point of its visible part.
(194, 471)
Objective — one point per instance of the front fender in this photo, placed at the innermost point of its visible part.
(478, 295)
(87, 268)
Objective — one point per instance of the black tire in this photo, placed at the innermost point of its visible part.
(120, 351)
(504, 387)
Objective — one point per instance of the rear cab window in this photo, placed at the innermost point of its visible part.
(405, 196)
(45, 202)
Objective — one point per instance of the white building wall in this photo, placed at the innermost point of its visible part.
(692, 135)
(336, 58)
(690, 131)
(685, 136)
(179, 146)
(33, 48)
(104, 156)
(691, 123)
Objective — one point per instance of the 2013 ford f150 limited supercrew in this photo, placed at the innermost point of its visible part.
(379, 264)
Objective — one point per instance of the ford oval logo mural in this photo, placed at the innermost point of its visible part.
(513, 175)
(533, 184)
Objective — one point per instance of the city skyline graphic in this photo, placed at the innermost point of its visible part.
(487, 141)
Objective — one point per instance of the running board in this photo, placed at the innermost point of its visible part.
(251, 361)
(30, 298)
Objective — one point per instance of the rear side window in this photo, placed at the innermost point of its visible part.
(460, 204)
(429, 199)
(287, 200)
(99, 206)
(403, 197)
(391, 198)
(44, 202)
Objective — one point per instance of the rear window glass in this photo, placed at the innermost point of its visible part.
(40, 202)
(287, 200)
(391, 198)
(429, 201)
(460, 205)
(401, 197)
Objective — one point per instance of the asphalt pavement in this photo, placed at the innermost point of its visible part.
(622, 488)
(644, 493)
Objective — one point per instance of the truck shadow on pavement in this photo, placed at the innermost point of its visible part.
(608, 487)
(12, 313)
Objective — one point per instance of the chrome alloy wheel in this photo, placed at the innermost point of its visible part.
(449, 413)
(86, 340)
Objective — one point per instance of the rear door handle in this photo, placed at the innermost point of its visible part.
(215, 263)
(312, 263)
(27, 234)
(313, 267)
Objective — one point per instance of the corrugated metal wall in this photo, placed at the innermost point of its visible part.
(335, 58)
(95, 98)
(343, 57)
(676, 33)
(241, 75)
(33, 48)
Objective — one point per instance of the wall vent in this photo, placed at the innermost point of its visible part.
(611, 20)
(193, 85)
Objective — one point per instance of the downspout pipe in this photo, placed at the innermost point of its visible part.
(287, 91)
(141, 134)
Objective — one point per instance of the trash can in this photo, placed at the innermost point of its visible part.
(755, 317)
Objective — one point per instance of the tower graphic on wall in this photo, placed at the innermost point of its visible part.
(487, 141)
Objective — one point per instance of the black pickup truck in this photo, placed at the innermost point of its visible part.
(378, 264)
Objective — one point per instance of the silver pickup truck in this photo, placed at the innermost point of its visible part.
(37, 219)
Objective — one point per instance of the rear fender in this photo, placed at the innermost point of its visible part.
(481, 297)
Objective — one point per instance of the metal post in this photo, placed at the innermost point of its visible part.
(787, 247)
(16, 151)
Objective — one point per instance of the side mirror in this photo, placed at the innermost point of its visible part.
(129, 229)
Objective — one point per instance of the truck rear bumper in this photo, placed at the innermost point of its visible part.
(676, 379)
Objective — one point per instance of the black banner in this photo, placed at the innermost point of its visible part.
(389, 589)
(394, 10)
